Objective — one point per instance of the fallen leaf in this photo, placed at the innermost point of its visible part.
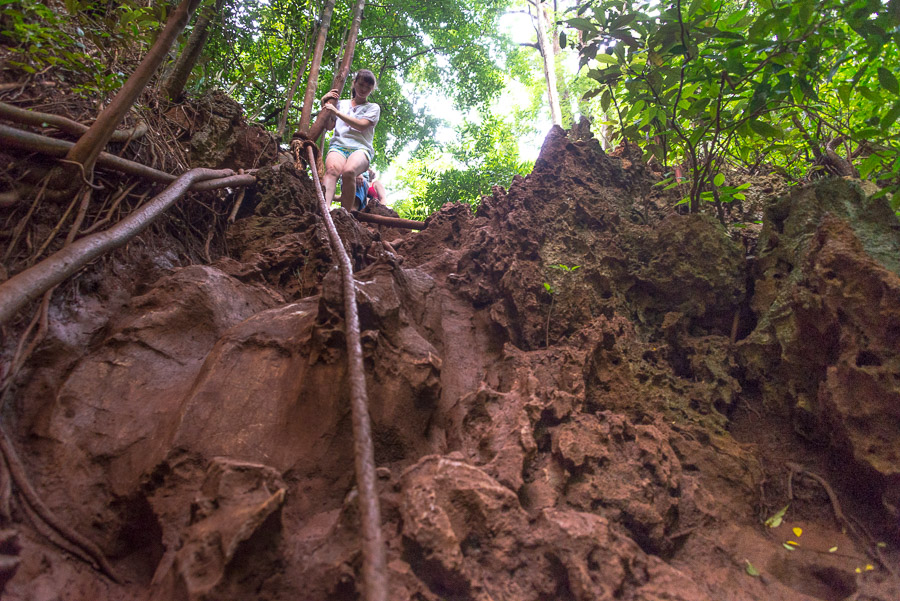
(775, 520)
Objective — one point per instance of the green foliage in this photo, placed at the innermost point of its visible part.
(416, 49)
(448, 49)
(779, 84)
(77, 43)
(485, 155)
(565, 268)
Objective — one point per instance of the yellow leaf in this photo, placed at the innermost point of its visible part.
(793, 543)
(832, 549)
(787, 546)
(797, 531)
(869, 567)
(858, 571)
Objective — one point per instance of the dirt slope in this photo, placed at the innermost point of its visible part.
(621, 432)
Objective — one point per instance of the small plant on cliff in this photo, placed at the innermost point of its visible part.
(553, 292)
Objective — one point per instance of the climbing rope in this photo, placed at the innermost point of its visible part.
(374, 573)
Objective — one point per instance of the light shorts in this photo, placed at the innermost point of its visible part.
(346, 152)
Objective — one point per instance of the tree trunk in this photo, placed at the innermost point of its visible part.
(313, 82)
(323, 121)
(174, 85)
(282, 120)
(89, 146)
(540, 18)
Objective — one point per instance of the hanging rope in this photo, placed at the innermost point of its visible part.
(374, 573)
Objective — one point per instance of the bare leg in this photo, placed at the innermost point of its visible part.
(380, 190)
(334, 165)
(356, 164)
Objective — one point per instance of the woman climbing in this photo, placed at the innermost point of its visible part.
(350, 150)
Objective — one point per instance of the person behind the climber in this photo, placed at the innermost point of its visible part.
(362, 190)
(350, 150)
(377, 191)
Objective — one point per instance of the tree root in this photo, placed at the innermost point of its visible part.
(842, 520)
(19, 477)
(27, 117)
(374, 566)
(20, 227)
(115, 204)
(53, 233)
(27, 285)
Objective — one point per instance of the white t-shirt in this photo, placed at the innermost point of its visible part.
(346, 136)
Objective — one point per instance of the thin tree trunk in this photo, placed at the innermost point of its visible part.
(323, 121)
(89, 146)
(282, 120)
(177, 79)
(546, 50)
(313, 82)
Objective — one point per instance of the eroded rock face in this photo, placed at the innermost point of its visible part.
(824, 352)
(532, 445)
(219, 137)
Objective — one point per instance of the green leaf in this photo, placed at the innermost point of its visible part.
(775, 520)
(871, 162)
(622, 20)
(605, 58)
(844, 93)
(891, 117)
(562, 39)
(605, 99)
(765, 130)
(888, 81)
(750, 569)
(580, 23)
(718, 180)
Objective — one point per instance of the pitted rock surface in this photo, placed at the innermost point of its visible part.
(621, 432)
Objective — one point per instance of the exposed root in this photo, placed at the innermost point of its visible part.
(842, 520)
(79, 219)
(38, 119)
(53, 233)
(846, 524)
(374, 564)
(19, 477)
(112, 209)
(20, 227)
